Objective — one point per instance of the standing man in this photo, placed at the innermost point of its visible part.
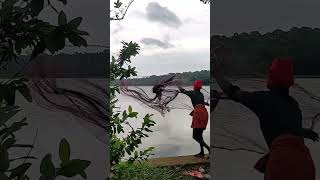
(199, 115)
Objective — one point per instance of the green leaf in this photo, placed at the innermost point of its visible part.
(133, 114)
(40, 48)
(80, 32)
(47, 168)
(77, 40)
(148, 130)
(83, 174)
(64, 150)
(75, 23)
(37, 6)
(17, 126)
(4, 160)
(130, 109)
(117, 4)
(55, 41)
(25, 91)
(9, 95)
(73, 167)
(127, 149)
(6, 116)
(8, 143)
(62, 18)
(124, 115)
(20, 170)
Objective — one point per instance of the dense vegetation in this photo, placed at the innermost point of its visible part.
(253, 52)
(187, 78)
(21, 30)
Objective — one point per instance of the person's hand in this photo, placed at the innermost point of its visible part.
(314, 136)
(218, 55)
(180, 89)
(310, 134)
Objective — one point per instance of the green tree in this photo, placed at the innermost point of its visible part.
(22, 30)
(128, 144)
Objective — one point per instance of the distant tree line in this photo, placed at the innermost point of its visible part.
(186, 78)
(77, 65)
(253, 52)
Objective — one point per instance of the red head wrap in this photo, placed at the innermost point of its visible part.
(281, 73)
(197, 84)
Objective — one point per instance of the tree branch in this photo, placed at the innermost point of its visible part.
(124, 14)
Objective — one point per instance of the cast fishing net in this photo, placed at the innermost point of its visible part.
(85, 99)
(162, 97)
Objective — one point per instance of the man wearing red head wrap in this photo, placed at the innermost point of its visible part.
(280, 122)
(199, 114)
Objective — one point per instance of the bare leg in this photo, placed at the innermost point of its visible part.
(197, 135)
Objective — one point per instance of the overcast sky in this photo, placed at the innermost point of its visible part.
(229, 16)
(174, 35)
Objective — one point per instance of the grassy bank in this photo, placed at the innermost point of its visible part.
(138, 171)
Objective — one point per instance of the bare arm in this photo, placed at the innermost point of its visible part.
(182, 90)
(229, 89)
(310, 134)
(250, 99)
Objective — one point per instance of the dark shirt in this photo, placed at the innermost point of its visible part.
(277, 111)
(196, 97)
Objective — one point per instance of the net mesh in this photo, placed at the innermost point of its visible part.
(162, 97)
(84, 99)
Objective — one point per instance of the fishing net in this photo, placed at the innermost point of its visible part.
(161, 97)
(84, 99)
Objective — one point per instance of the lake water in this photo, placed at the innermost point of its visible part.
(172, 135)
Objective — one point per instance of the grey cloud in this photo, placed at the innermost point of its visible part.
(157, 13)
(156, 42)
